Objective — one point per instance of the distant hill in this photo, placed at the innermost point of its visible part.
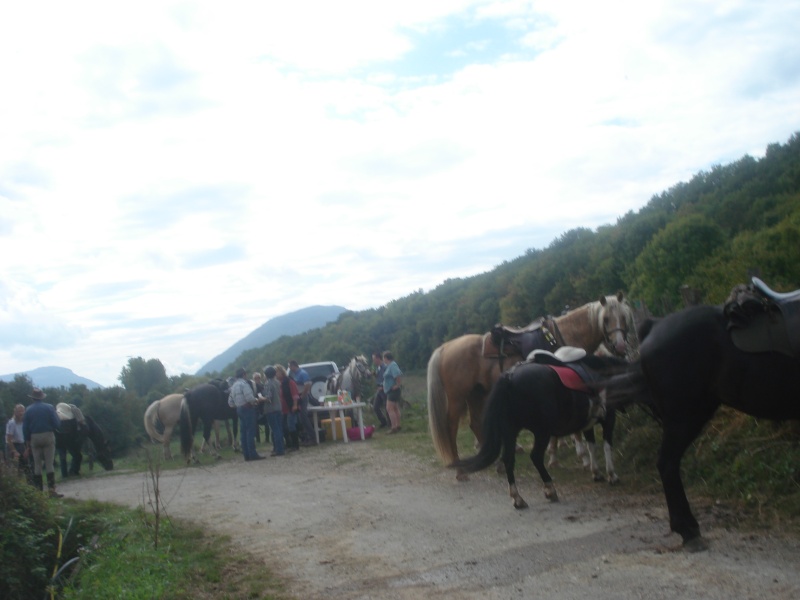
(53, 377)
(293, 323)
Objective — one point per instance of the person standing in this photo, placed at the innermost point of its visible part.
(15, 442)
(273, 410)
(291, 397)
(302, 380)
(392, 380)
(38, 427)
(379, 402)
(242, 398)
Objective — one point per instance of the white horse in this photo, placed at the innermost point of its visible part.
(350, 378)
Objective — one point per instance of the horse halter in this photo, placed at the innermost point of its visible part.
(609, 345)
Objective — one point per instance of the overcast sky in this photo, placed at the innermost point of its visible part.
(174, 174)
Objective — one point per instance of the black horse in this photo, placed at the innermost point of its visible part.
(536, 397)
(690, 363)
(73, 434)
(207, 402)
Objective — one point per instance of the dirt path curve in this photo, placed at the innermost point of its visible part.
(350, 521)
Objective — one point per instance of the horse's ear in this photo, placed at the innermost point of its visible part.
(603, 300)
(620, 296)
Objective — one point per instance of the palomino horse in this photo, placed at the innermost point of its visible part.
(163, 415)
(461, 373)
(546, 399)
(693, 361)
(75, 429)
(350, 378)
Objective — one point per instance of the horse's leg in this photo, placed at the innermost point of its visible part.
(552, 453)
(165, 443)
(582, 451)
(77, 458)
(608, 434)
(540, 443)
(508, 459)
(676, 438)
(589, 454)
(231, 438)
(62, 461)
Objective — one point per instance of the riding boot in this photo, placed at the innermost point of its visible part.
(51, 486)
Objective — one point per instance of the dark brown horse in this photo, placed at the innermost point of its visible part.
(536, 397)
(207, 402)
(461, 374)
(690, 364)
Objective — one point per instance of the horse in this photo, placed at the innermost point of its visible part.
(207, 402)
(691, 363)
(549, 400)
(73, 432)
(163, 415)
(461, 372)
(350, 378)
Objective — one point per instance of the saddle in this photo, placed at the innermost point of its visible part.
(72, 419)
(762, 320)
(541, 334)
(566, 363)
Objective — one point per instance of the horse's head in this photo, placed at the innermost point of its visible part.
(618, 326)
(102, 446)
(360, 366)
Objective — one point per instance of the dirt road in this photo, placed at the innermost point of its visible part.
(351, 521)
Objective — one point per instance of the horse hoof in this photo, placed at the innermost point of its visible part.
(598, 478)
(613, 480)
(462, 477)
(696, 544)
(519, 505)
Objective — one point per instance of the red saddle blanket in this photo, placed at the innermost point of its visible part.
(570, 379)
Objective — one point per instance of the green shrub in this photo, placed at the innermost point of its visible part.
(29, 527)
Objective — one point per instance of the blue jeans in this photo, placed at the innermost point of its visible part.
(275, 420)
(247, 430)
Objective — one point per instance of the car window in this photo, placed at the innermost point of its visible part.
(319, 371)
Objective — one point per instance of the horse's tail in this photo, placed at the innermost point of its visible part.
(187, 435)
(496, 429)
(438, 422)
(150, 418)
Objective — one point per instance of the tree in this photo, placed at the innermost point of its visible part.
(140, 376)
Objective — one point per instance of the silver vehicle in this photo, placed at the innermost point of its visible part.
(320, 373)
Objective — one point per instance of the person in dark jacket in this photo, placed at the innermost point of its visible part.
(38, 427)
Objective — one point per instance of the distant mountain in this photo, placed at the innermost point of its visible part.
(293, 323)
(53, 377)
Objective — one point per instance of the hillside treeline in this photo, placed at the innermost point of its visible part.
(696, 240)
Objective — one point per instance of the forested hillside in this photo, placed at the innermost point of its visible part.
(708, 234)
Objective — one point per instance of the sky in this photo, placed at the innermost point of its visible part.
(175, 174)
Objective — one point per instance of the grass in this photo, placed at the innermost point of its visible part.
(118, 559)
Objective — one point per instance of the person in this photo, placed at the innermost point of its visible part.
(291, 397)
(273, 410)
(242, 398)
(38, 427)
(15, 442)
(302, 380)
(379, 403)
(261, 419)
(392, 380)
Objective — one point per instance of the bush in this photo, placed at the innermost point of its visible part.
(29, 527)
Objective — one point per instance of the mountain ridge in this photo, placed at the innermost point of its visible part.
(53, 376)
(293, 323)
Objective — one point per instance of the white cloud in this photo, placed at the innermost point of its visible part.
(175, 174)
